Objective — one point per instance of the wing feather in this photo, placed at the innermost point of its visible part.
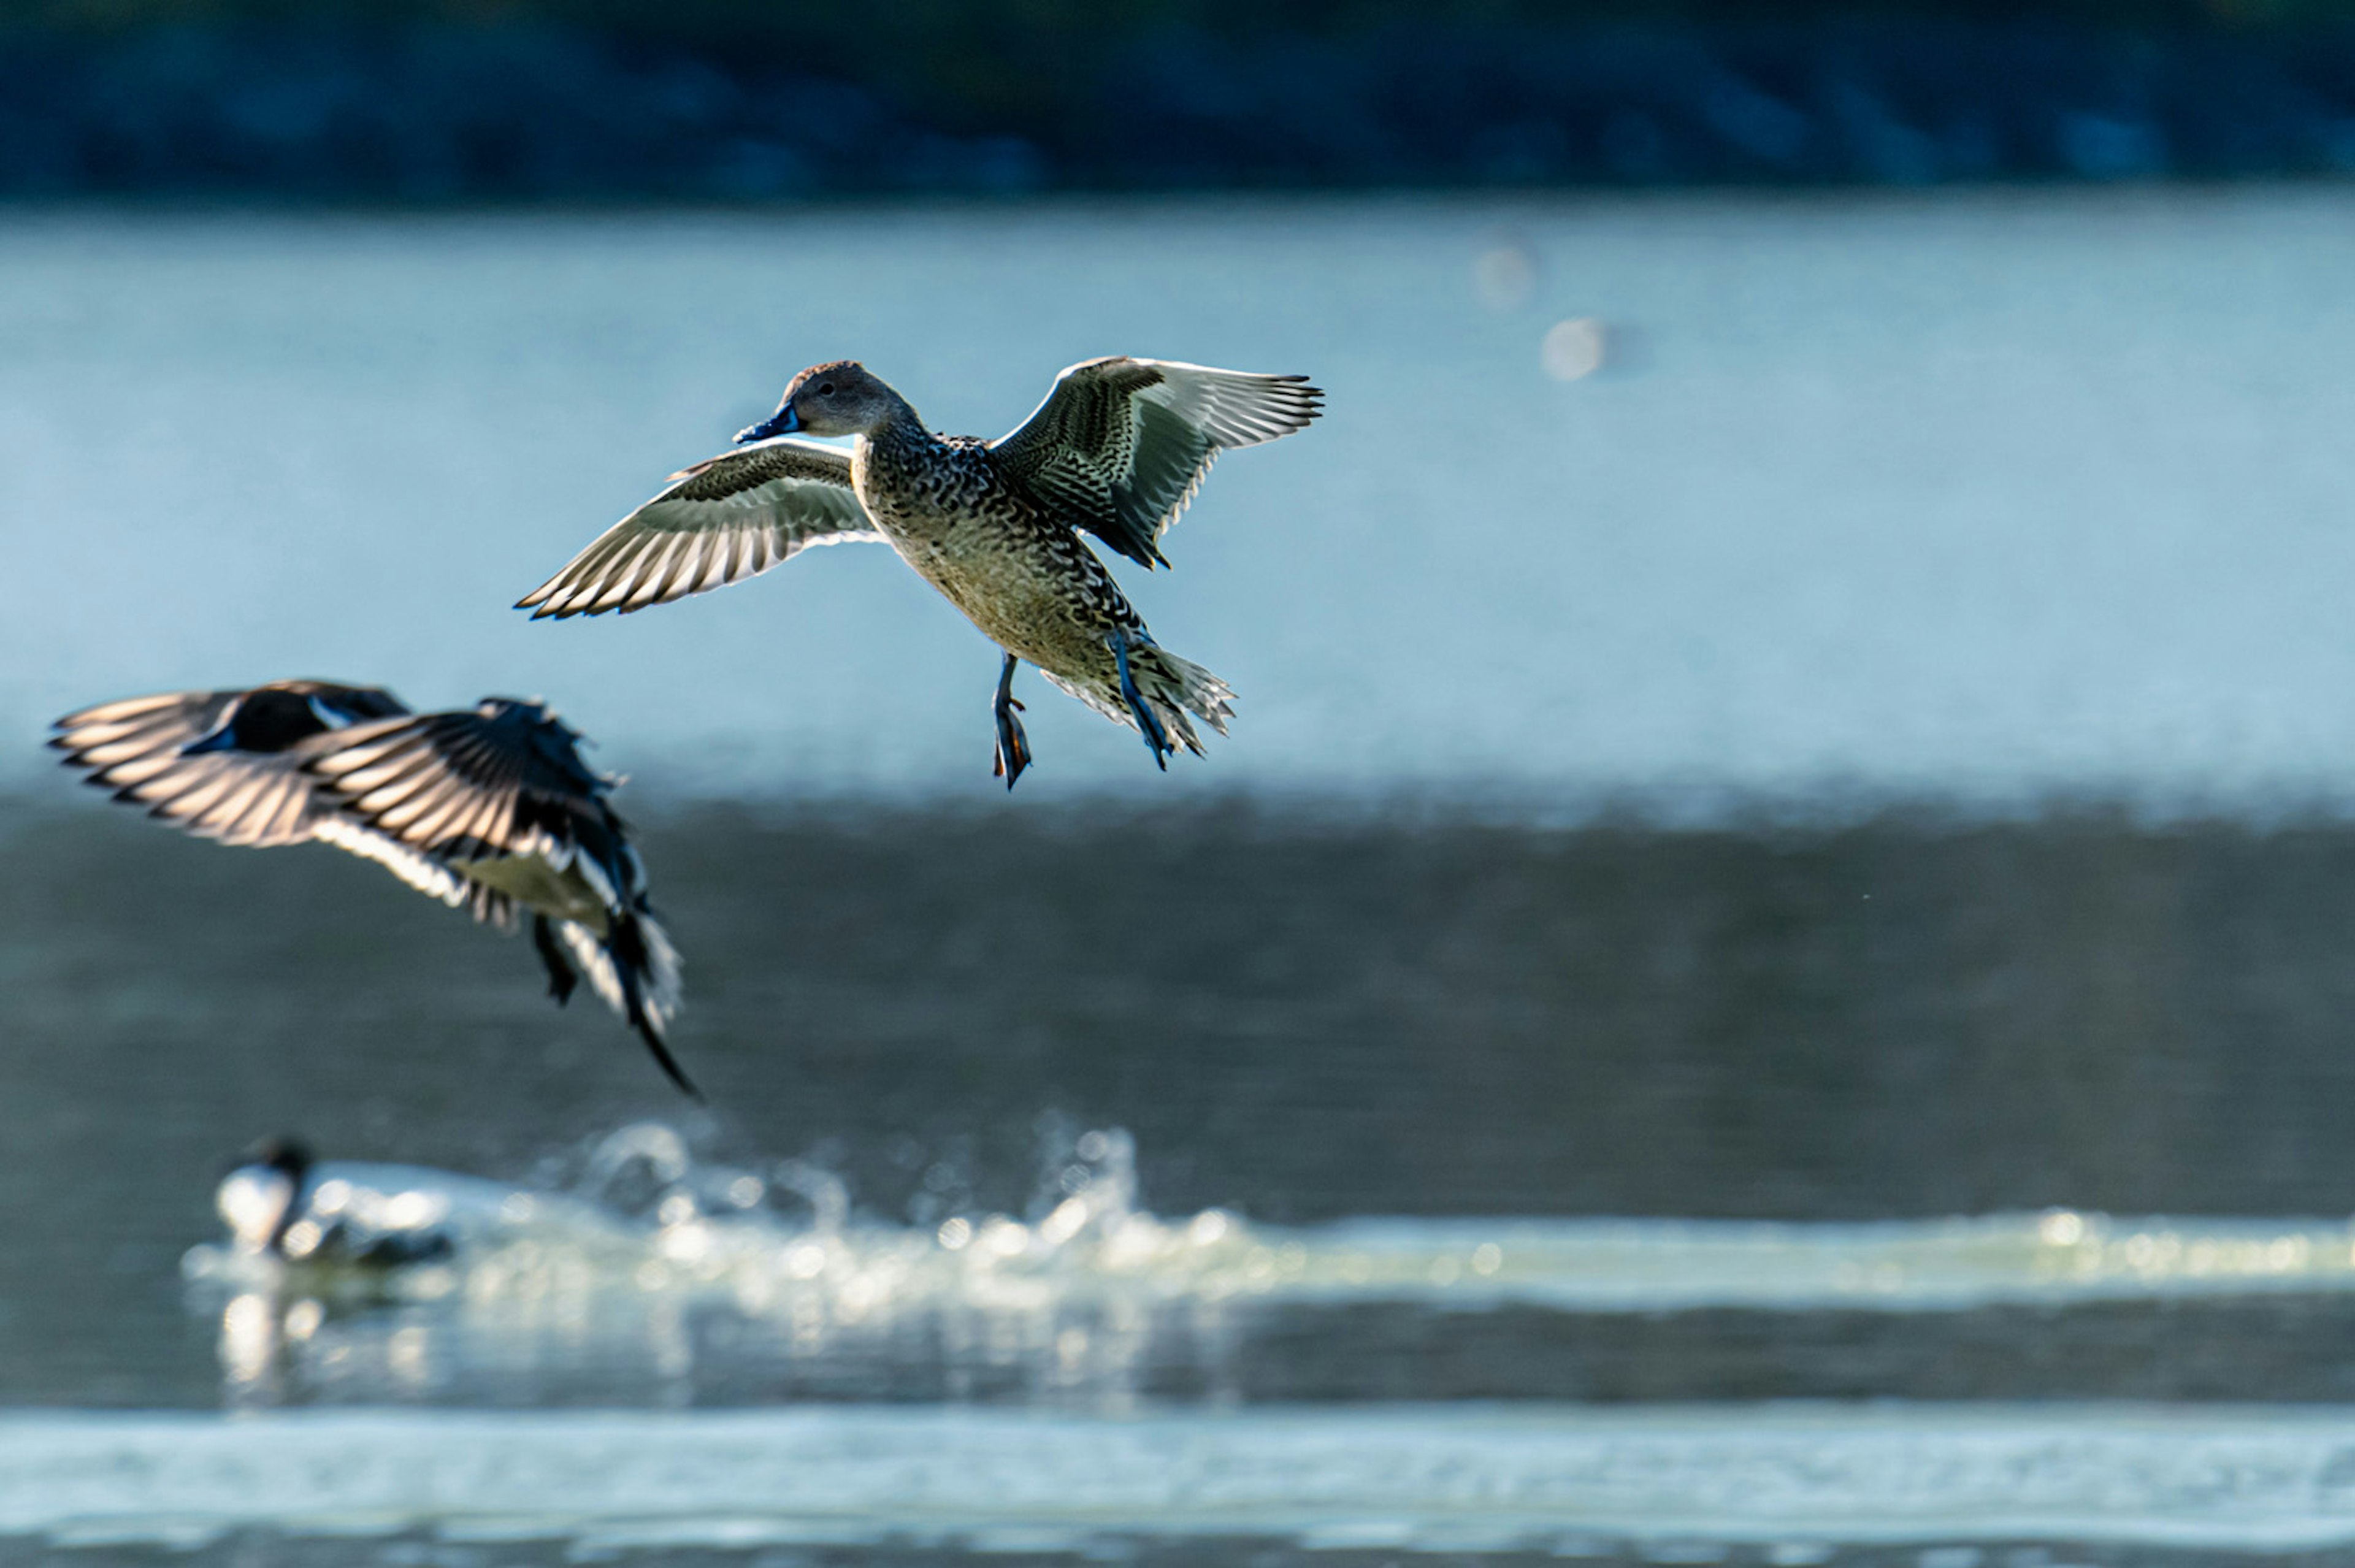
(483, 810)
(424, 873)
(503, 778)
(732, 516)
(245, 786)
(493, 806)
(1121, 446)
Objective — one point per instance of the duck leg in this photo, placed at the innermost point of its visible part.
(1157, 740)
(561, 976)
(1013, 746)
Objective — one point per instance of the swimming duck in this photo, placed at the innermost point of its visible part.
(491, 807)
(274, 1208)
(1117, 449)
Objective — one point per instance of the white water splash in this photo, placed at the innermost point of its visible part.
(654, 1261)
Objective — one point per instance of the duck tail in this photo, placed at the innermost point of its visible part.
(1177, 687)
(1172, 686)
(634, 970)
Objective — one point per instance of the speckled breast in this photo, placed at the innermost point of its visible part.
(1018, 577)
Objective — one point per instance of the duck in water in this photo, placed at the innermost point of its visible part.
(1117, 450)
(491, 807)
(277, 1203)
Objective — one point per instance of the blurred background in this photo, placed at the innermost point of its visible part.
(1763, 976)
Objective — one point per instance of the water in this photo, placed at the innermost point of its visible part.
(1458, 1130)
(1056, 1427)
(1550, 1483)
(1983, 498)
(707, 1292)
(1764, 977)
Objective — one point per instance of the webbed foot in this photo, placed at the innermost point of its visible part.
(1013, 746)
(1157, 740)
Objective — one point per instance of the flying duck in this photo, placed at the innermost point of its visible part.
(1117, 450)
(491, 807)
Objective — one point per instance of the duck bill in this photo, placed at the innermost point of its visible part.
(785, 422)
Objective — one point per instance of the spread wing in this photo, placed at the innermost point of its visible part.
(503, 778)
(243, 782)
(1120, 445)
(730, 518)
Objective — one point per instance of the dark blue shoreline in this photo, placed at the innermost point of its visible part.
(435, 111)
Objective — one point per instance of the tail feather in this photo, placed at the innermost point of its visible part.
(562, 979)
(634, 970)
(1172, 686)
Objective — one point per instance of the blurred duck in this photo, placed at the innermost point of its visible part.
(491, 807)
(1117, 450)
(278, 1203)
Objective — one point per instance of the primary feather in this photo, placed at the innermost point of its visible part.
(243, 783)
(1120, 446)
(725, 520)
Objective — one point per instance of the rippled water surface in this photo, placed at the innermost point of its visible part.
(1764, 977)
(1412, 1152)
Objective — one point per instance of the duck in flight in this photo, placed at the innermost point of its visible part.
(1117, 450)
(491, 807)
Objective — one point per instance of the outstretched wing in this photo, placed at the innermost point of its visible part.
(1121, 446)
(222, 764)
(732, 516)
(503, 778)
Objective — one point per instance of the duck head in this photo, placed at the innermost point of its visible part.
(261, 1196)
(272, 718)
(837, 399)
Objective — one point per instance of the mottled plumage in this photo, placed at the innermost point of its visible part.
(490, 807)
(1120, 446)
(1118, 449)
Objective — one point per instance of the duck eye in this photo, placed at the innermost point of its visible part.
(825, 388)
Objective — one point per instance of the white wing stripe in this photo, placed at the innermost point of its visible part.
(424, 875)
(596, 965)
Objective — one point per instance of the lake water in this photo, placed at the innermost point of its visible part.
(1978, 498)
(1764, 976)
